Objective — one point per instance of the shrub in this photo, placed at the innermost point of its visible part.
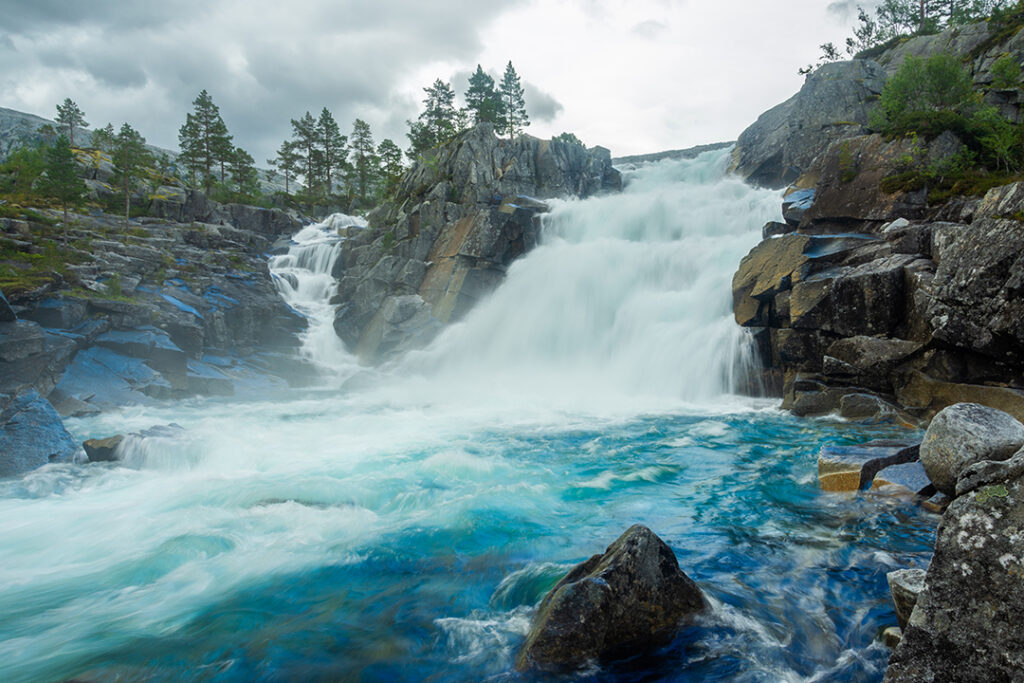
(920, 90)
(1006, 73)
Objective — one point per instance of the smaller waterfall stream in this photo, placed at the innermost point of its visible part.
(304, 278)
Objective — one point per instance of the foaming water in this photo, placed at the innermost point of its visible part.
(403, 526)
(304, 278)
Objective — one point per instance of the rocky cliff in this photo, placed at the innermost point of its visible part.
(835, 100)
(458, 219)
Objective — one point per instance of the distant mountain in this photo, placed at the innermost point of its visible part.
(18, 129)
(688, 153)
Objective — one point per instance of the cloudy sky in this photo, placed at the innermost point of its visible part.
(635, 76)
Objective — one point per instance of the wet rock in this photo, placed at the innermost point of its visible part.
(966, 624)
(774, 229)
(833, 104)
(795, 205)
(988, 472)
(892, 636)
(32, 435)
(59, 313)
(928, 395)
(905, 585)
(964, 434)
(866, 408)
(769, 269)
(852, 468)
(631, 598)
(906, 479)
(937, 503)
(6, 312)
(103, 450)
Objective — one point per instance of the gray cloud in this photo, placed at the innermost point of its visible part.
(263, 62)
(541, 106)
(650, 29)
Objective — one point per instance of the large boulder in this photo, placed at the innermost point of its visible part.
(630, 598)
(833, 104)
(965, 625)
(964, 434)
(905, 585)
(32, 435)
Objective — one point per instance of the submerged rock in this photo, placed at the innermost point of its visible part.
(631, 598)
(103, 450)
(853, 468)
(964, 434)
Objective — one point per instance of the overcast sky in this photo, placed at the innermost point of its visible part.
(635, 76)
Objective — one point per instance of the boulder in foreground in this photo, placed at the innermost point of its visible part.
(629, 599)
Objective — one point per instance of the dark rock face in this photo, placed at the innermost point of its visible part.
(963, 435)
(102, 450)
(630, 598)
(32, 435)
(966, 623)
(450, 233)
(833, 104)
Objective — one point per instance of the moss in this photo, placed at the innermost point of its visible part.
(847, 165)
(387, 243)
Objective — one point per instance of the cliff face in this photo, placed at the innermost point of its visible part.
(456, 223)
(835, 100)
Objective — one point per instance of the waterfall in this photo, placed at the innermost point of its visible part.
(304, 277)
(628, 295)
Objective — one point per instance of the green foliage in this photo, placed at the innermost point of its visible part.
(333, 150)
(61, 181)
(387, 243)
(243, 173)
(69, 115)
(482, 100)
(288, 162)
(829, 53)
(130, 159)
(103, 138)
(921, 88)
(569, 138)
(364, 161)
(847, 165)
(1006, 73)
(20, 172)
(514, 118)
(391, 168)
(437, 123)
(204, 141)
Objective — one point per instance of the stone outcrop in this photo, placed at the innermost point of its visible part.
(32, 435)
(455, 224)
(965, 625)
(905, 585)
(832, 104)
(632, 597)
(884, 314)
(855, 468)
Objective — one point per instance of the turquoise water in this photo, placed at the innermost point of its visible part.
(420, 559)
(400, 524)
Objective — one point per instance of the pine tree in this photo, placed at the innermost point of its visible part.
(68, 114)
(514, 118)
(243, 172)
(103, 138)
(364, 158)
(390, 159)
(129, 157)
(305, 139)
(482, 100)
(204, 139)
(333, 149)
(61, 180)
(287, 162)
(437, 123)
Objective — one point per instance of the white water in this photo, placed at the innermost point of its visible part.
(303, 277)
(623, 311)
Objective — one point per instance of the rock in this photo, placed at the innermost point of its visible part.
(905, 585)
(873, 359)
(774, 229)
(59, 313)
(937, 503)
(832, 104)
(865, 408)
(632, 597)
(928, 395)
(103, 450)
(976, 302)
(908, 479)
(32, 435)
(988, 472)
(851, 301)
(852, 468)
(964, 434)
(6, 312)
(966, 624)
(892, 636)
(795, 205)
(849, 177)
(446, 239)
(769, 269)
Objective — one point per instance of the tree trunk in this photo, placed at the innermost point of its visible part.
(65, 224)
(127, 205)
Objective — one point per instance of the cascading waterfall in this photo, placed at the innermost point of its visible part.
(400, 525)
(304, 278)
